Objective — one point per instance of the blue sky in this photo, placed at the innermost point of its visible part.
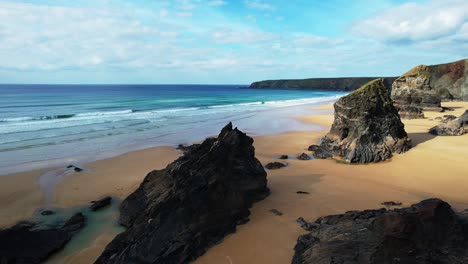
(224, 41)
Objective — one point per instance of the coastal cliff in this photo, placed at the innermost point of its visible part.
(326, 84)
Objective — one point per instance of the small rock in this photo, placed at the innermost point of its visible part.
(275, 165)
(276, 212)
(304, 156)
(302, 192)
(47, 212)
(284, 157)
(392, 203)
(313, 147)
(448, 118)
(75, 223)
(100, 203)
(70, 166)
(78, 169)
(306, 225)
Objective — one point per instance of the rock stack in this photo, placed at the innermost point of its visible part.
(179, 212)
(366, 128)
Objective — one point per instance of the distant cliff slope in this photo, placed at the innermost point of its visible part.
(327, 84)
(450, 79)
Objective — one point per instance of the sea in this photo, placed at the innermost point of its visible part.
(53, 125)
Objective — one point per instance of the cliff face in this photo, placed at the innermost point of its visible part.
(450, 79)
(327, 84)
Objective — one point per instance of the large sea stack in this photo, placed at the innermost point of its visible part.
(179, 212)
(367, 127)
(424, 87)
(426, 232)
(412, 92)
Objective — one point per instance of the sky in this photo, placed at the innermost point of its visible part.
(224, 41)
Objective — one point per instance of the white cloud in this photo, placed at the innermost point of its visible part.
(259, 5)
(414, 22)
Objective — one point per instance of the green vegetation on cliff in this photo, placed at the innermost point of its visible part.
(326, 84)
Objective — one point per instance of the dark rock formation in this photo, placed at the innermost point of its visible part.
(184, 148)
(31, 243)
(284, 157)
(96, 205)
(447, 118)
(306, 225)
(423, 87)
(275, 165)
(367, 127)
(413, 92)
(391, 203)
(179, 212)
(320, 152)
(455, 127)
(327, 84)
(302, 192)
(303, 156)
(426, 232)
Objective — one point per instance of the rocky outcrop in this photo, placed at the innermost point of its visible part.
(455, 127)
(366, 128)
(179, 212)
(426, 232)
(423, 87)
(413, 92)
(275, 165)
(100, 204)
(325, 84)
(31, 243)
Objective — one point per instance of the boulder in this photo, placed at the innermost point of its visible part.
(284, 157)
(275, 165)
(366, 127)
(304, 156)
(29, 242)
(179, 212)
(455, 127)
(320, 152)
(426, 232)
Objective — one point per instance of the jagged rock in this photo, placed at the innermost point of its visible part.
(304, 156)
(284, 157)
(456, 127)
(306, 225)
(97, 205)
(179, 212)
(31, 243)
(392, 203)
(275, 165)
(426, 232)
(412, 92)
(320, 152)
(187, 148)
(367, 127)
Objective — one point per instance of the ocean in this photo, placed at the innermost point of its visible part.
(52, 125)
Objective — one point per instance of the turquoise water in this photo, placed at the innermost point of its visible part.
(52, 125)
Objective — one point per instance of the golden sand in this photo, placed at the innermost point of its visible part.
(435, 167)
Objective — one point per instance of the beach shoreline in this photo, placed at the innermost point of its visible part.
(433, 168)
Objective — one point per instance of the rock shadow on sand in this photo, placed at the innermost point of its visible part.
(418, 138)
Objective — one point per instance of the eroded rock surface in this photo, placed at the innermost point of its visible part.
(426, 232)
(452, 127)
(366, 128)
(179, 212)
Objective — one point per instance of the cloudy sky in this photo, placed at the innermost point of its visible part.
(224, 41)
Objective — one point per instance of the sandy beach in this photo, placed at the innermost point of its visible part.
(434, 167)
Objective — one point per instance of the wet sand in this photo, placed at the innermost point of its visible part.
(435, 167)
